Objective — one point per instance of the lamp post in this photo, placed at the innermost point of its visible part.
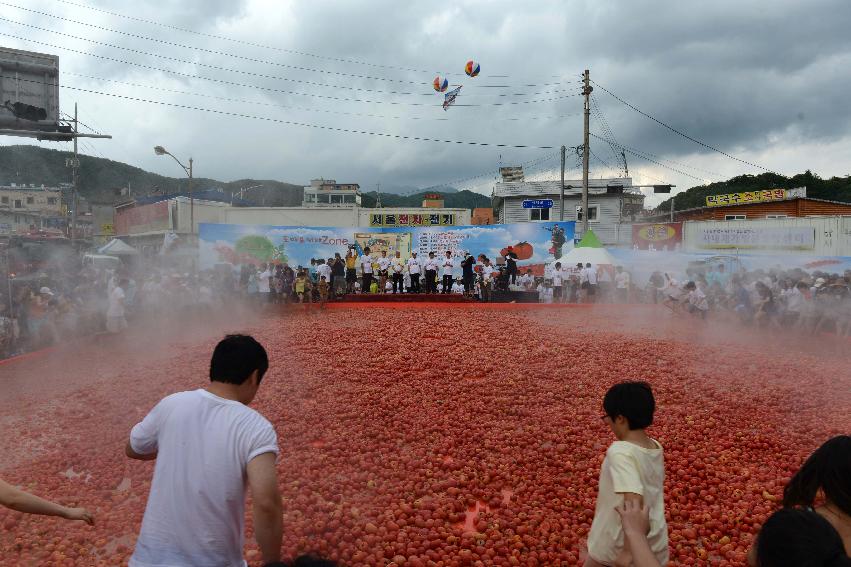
(161, 151)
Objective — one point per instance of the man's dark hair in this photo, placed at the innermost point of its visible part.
(795, 536)
(827, 471)
(633, 400)
(235, 358)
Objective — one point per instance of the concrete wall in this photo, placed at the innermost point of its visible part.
(832, 235)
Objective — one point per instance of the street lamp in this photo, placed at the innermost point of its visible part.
(161, 151)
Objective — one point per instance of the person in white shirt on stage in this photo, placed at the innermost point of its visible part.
(486, 283)
(383, 269)
(397, 269)
(414, 270)
(527, 281)
(458, 287)
(431, 266)
(366, 270)
(447, 266)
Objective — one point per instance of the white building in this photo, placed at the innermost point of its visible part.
(612, 205)
(329, 193)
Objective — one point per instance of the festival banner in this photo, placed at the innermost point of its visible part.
(235, 244)
(657, 236)
(758, 237)
(746, 197)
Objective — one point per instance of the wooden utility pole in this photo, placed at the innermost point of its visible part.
(561, 206)
(586, 91)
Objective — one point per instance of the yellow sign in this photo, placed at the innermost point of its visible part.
(746, 197)
(107, 228)
(406, 219)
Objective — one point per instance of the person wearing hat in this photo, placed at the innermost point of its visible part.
(511, 264)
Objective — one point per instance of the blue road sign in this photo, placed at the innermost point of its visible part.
(537, 203)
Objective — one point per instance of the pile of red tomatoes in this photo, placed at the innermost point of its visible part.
(450, 436)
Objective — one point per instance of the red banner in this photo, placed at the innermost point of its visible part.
(144, 218)
(659, 236)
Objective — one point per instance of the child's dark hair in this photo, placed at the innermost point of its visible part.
(795, 536)
(828, 469)
(633, 400)
(235, 358)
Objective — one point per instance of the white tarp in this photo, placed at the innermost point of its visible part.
(117, 247)
(757, 237)
(596, 256)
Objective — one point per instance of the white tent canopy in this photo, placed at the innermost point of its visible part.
(117, 247)
(595, 256)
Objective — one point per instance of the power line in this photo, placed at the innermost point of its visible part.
(489, 173)
(250, 59)
(271, 89)
(302, 108)
(307, 125)
(270, 47)
(674, 130)
(644, 157)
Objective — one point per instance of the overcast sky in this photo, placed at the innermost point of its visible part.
(765, 81)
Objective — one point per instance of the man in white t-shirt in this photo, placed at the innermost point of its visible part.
(591, 277)
(446, 271)
(414, 272)
(365, 262)
(115, 321)
(558, 282)
(323, 269)
(397, 271)
(208, 445)
(264, 283)
(383, 268)
(431, 266)
(622, 285)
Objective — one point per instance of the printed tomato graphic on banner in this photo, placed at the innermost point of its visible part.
(257, 246)
(524, 250)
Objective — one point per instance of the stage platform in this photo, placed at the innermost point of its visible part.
(404, 298)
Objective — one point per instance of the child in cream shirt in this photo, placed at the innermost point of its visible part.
(634, 469)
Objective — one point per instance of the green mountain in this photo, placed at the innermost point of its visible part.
(102, 179)
(456, 200)
(833, 189)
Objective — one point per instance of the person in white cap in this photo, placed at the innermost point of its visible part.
(115, 321)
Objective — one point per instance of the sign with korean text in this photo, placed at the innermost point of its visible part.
(407, 219)
(746, 197)
(537, 203)
(657, 236)
(763, 238)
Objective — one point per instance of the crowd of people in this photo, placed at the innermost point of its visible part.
(196, 519)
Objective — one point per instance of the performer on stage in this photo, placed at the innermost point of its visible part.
(383, 268)
(448, 264)
(366, 269)
(511, 264)
(431, 266)
(414, 272)
(468, 275)
(397, 267)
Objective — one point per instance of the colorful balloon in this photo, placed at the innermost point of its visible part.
(472, 68)
(440, 84)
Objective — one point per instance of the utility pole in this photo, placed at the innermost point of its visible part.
(561, 206)
(378, 196)
(74, 165)
(191, 202)
(586, 91)
(625, 166)
(672, 208)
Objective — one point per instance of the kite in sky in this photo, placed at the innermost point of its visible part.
(449, 98)
(472, 69)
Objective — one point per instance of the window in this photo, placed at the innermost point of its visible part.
(30, 201)
(4, 200)
(776, 216)
(593, 213)
(51, 200)
(735, 217)
(18, 204)
(336, 199)
(539, 214)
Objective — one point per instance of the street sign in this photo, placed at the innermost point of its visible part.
(537, 203)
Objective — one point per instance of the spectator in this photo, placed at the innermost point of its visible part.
(302, 288)
(622, 282)
(558, 282)
(695, 299)
(323, 287)
(591, 276)
(7, 333)
(115, 321)
(264, 284)
(799, 537)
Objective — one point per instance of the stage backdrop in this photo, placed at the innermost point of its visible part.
(535, 243)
